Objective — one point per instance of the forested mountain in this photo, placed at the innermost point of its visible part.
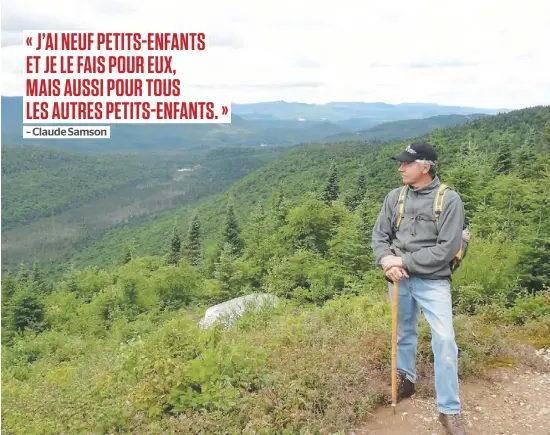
(404, 129)
(121, 341)
(55, 202)
(284, 127)
(306, 168)
(40, 182)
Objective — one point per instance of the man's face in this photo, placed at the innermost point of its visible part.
(413, 172)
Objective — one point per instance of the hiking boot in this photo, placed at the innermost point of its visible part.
(452, 424)
(405, 388)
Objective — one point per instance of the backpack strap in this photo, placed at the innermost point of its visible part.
(438, 203)
(401, 203)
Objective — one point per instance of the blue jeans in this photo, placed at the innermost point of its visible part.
(434, 297)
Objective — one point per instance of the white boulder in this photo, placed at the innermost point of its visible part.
(228, 311)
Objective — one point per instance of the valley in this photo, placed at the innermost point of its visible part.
(63, 200)
(72, 199)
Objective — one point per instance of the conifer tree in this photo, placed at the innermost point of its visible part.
(175, 247)
(230, 234)
(544, 141)
(331, 190)
(24, 275)
(9, 287)
(27, 310)
(368, 212)
(504, 158)
(256, 226)
(527, 162)
(193, 246)
(126, 254)
(224, 271)
(279, 207)
(356, 196)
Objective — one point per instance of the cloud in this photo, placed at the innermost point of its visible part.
(11, 38)
(484, 54)
(284, 85)
(442, 64)
(230, 41)
(305, 62)
(16, 18)
(118, 7)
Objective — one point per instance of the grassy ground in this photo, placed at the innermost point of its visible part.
(286, 370)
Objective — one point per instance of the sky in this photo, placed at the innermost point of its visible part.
(485, 54)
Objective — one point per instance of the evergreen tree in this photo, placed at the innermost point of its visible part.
(175, 247)
(331, 190)
(126, 254)
(26, 311)
(368, 213)
(39, 284)
(504, 157)
(535, 267)
(527, 162)
(355, 198)
(544, 141)
(225, 271)
(469, 175)
(230, 234)
(193, 246)
(279, 207)
(256, 226)
(71, 278)
(9, 287)
(24, 275)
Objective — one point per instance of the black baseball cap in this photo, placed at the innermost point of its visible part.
(417, 151)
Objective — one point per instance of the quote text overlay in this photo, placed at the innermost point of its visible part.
(102, 77)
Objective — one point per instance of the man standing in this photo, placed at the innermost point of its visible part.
(415, 249)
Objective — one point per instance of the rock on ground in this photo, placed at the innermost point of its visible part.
(227, 312)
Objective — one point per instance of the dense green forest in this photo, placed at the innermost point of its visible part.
(41, 182)
(55, 202)
(58, 203)
(114, 344)
(305, 168)
(406, 128)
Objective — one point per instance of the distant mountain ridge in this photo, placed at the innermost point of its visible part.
(270, 123)
(337, 111)
(407, 128)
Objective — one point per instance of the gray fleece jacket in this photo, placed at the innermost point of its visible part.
(426, 249)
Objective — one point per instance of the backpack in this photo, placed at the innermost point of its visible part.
(437, 209)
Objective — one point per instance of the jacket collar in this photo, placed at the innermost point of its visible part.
(434, 184)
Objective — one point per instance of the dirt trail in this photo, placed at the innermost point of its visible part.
(506, 401)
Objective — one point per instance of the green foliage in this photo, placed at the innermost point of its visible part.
(534, 264)
(119, 349)
(331, 190)
(504, 158)
(126, 254)
(544, 142)
(193, 244)
(527, 308)
(175, 248)
(308, 226)
(230, 235)
(103, 197)
(42, 182)
(356, 197)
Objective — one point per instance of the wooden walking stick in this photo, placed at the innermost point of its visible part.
(395, 307)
